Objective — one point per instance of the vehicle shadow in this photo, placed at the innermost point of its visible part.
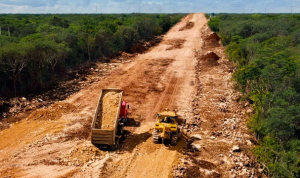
(131, 122)
(130, 141)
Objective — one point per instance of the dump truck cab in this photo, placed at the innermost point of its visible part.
(122, 117)
(167, 127)
(124, 111)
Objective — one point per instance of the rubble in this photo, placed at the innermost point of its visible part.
(196, 147)
(249, 111)
(197, 136)
(236, 148)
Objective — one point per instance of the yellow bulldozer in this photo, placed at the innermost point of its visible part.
(167, 127)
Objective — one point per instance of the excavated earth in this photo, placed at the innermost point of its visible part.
(55, 141)
(108, 110)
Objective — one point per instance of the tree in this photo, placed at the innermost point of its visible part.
(88, 36)
(16, 56)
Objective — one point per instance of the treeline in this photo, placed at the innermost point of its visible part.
(266, 50)
(37, 50)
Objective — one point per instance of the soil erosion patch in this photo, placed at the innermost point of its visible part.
(175, 44)
(54, 112)
(188, 26)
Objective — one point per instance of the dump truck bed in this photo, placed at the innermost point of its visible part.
(105, 122)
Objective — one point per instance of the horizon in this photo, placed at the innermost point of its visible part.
(136, 13)
(146, 6)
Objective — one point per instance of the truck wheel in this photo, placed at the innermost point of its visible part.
(120, 131)
(174, 139)
(126, 118)
(155, 136)
(115, 146)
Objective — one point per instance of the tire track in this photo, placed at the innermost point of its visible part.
(167, 96)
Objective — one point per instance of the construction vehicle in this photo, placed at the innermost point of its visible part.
(167, 127)
(109, 119)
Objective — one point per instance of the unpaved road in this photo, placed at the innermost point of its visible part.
(55, 142)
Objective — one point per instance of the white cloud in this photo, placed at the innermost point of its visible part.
(145, 6)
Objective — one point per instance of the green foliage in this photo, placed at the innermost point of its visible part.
(266, 51)
(36, 50)
(214, 24)
(207, 16)
(57, 21)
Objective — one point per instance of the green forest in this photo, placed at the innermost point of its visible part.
(266, 51)
(36, 51)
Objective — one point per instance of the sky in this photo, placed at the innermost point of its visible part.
(149, 6)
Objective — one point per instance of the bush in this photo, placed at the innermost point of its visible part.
(266, 51)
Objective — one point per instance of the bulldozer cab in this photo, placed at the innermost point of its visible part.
(170, 117)
(168, 120)
(167, 117)
(166, 127)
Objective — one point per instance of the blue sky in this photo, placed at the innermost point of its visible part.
(148, 6)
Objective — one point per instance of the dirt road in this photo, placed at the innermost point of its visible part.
(55, 142)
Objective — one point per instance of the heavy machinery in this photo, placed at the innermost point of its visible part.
(110, 117)
(167, 127)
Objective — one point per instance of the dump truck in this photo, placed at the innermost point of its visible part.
(168, 127)
(109, 119)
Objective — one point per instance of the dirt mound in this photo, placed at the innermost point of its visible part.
(81, 155)
(212, 41)
(175, 44)
(188, 26)
(109, 107)
(143, 45)
(54, 112)
(213, 36)
(138, 48)
(210, 56)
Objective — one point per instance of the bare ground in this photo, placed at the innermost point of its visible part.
(163, 77)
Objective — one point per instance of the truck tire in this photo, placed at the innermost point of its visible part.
(174, 138)
(120, 130)
(155, 136)
(115, 146)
